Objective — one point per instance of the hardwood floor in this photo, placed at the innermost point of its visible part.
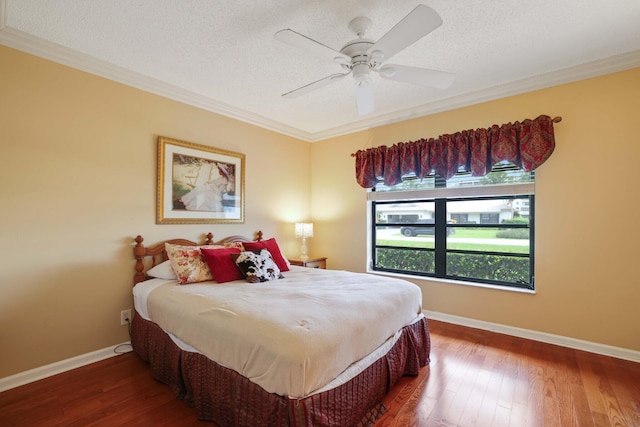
(476, 378)
(481, 378)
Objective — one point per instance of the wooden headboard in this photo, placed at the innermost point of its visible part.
(147, 257)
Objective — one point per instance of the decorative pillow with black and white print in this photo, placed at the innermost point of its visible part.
(257, 266)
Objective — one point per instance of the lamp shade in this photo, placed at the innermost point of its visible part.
(304, 229)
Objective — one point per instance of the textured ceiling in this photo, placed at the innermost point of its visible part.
(221, 55)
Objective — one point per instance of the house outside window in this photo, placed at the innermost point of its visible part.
(469, 229)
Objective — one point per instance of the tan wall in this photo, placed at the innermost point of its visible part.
(587, 207)
(78, 182)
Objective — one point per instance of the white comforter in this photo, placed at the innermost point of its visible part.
(290, 336)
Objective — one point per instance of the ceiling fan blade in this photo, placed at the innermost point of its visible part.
(315, 85)
(300, 41)
(364, 97)
(417, 24)
(418, 76)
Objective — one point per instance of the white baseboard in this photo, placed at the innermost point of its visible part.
(603, 349)
(45, 371)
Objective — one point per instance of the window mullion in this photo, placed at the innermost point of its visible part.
(532, 233)
(374, 230)
(441, 237)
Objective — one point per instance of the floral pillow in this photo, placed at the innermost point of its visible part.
(257, 266)
(188, 263)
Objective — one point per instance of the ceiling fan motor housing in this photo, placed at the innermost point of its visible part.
(357, 50)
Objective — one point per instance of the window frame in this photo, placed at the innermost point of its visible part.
(440, 196)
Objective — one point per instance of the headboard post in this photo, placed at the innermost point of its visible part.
(209, 239)
(138, 253)
(258, 236)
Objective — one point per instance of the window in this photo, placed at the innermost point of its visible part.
(466, 228)
(489, 217)
(460, 218)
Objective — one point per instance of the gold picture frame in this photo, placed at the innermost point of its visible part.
(198, 184)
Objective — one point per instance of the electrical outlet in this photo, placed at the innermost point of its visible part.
(125, 317)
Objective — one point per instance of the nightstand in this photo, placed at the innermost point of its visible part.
(320, 262)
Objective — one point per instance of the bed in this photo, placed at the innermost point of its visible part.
(306, 348)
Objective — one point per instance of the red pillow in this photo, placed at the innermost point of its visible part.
(272, 247)
(223, 267)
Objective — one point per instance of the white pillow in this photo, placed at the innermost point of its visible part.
(163, 271)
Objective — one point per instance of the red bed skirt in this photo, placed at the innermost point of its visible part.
(222, 395)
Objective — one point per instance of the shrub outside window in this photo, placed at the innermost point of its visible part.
(467, 228)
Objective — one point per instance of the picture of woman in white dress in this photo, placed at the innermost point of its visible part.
(208, 193)
(198, 184)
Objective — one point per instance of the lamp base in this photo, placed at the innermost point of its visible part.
(303, 250)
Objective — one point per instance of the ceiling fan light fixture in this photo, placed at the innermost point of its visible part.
(364, 82)
(361, 72)
(364, 97)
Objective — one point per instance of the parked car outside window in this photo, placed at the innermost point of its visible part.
(412, 230)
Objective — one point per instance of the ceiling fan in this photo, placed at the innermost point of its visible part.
(362, 56)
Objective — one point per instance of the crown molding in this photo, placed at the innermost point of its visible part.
(60, 54)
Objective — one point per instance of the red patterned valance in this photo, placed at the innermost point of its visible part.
(527, 144)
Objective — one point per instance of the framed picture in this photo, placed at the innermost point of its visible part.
(198, 184)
